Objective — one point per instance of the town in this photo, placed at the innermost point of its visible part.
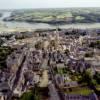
(55, 64)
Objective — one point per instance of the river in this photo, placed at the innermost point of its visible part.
(13, 25)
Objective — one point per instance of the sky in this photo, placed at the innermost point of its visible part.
(19, 4)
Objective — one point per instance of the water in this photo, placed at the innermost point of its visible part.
(22, 25)
(9, 26)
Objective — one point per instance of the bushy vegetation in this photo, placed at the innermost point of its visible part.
(97, 77)
(90, 54)
(36, 93)
(4, 52)
(95, 44)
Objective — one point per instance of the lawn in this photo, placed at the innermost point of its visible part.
(98, 87)
(80, 90)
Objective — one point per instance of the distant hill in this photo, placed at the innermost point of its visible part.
(56, 16)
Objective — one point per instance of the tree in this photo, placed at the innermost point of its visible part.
(67, 52)
(39, 45)
(27, 96)
(97, 77)
(31, 95)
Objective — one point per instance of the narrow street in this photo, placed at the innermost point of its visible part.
(18, 75)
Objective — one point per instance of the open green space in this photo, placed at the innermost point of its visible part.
(79, 90)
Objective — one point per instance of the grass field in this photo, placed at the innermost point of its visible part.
(80, 90)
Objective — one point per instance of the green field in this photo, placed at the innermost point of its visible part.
(80, 91)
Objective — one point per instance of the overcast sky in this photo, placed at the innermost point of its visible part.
(9, 4)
